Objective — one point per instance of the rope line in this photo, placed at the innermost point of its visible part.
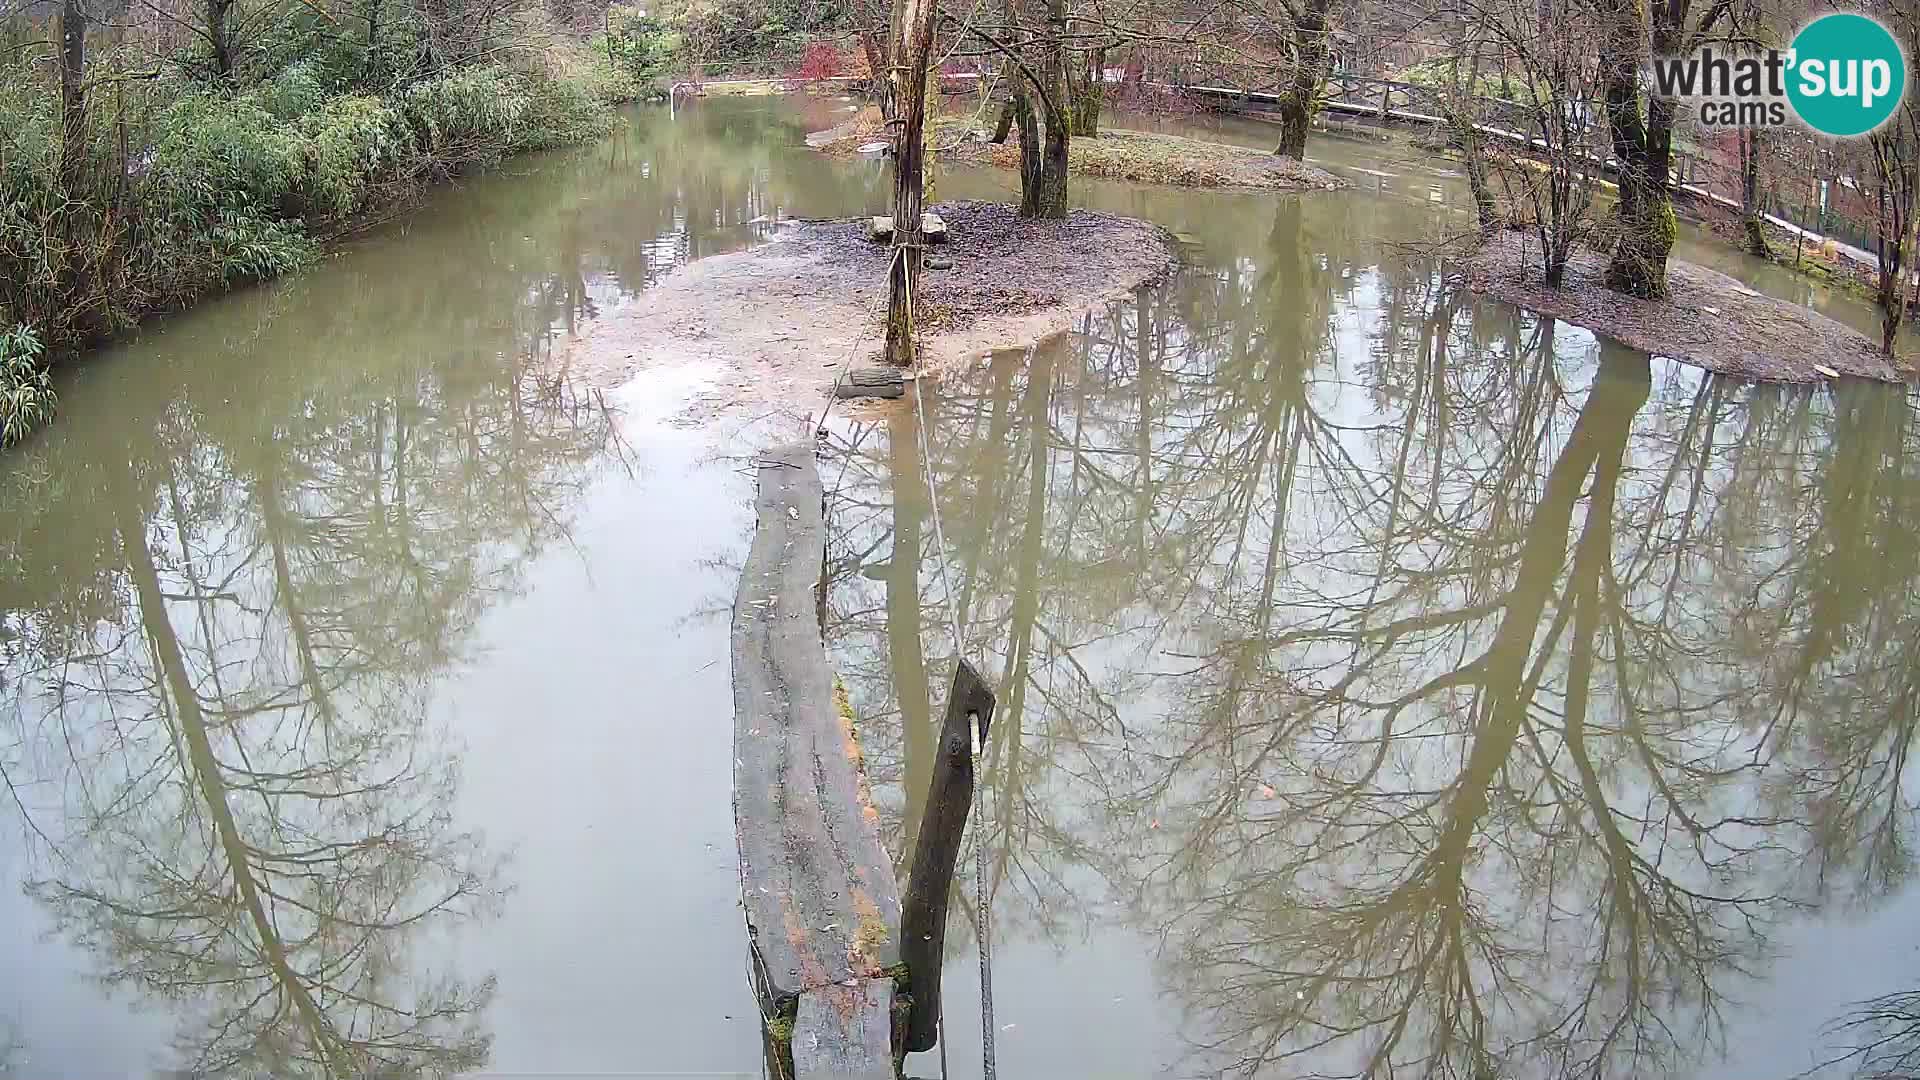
(984, 913)
(833, 388)
(984, 937)
(940, 1036)
(933, 498)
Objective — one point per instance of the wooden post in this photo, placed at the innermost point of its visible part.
(923, 918)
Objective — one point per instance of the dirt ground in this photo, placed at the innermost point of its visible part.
(1140, 156)
(782, 320)
(1712, 321)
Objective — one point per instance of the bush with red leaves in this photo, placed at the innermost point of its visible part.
(821, 61)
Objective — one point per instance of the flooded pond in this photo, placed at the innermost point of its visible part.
(1389, 680)
(1396, 682)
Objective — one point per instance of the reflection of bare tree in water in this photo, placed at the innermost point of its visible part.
(1878, 1039)
(257, 809)
(1517, 823)
(1480, 718)
(1364, 898)
(1029, 493)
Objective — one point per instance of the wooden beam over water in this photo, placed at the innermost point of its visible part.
(823, 913)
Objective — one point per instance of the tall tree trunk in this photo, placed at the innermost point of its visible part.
(880, 77)
(1089, 94)
(370, 65)
(1028, 119)
(1756, 228)
(1486, 207)
(73, 99)
(1643, 147)
(1896, 161)
(1051, 204)
(1312, 53)
(218, 39)
(75, 275)
(1463, 112)
(912, 46)
(1004, 125)
(1047, 196)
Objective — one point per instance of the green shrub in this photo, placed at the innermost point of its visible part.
(560, 111)
(641, 46)
(246, 247)
(293, 93)
(26, 390)
(481, 114)
(611, 84)
(187, 188)
(472, 114)
(349, 142)
(303, 37)
(27, 133)
(220, 153)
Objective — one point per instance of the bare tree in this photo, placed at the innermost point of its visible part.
(1753, 144)
(1461, 103)
(1547, 44)
(1308, 39)
(73, 99)
(1895, 152)
(911, 48)
(1641, 124)
(1882, 1037)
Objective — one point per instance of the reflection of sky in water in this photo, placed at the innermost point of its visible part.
(619, 860)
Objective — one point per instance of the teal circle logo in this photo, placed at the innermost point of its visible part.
(1847, 74)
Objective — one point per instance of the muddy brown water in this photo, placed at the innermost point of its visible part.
(1386, 675)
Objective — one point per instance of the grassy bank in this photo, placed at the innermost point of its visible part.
(1142, 157)
(182, 180)
(1150, 158)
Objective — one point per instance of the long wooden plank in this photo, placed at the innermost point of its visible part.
(822, 907)
(845, 1032)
